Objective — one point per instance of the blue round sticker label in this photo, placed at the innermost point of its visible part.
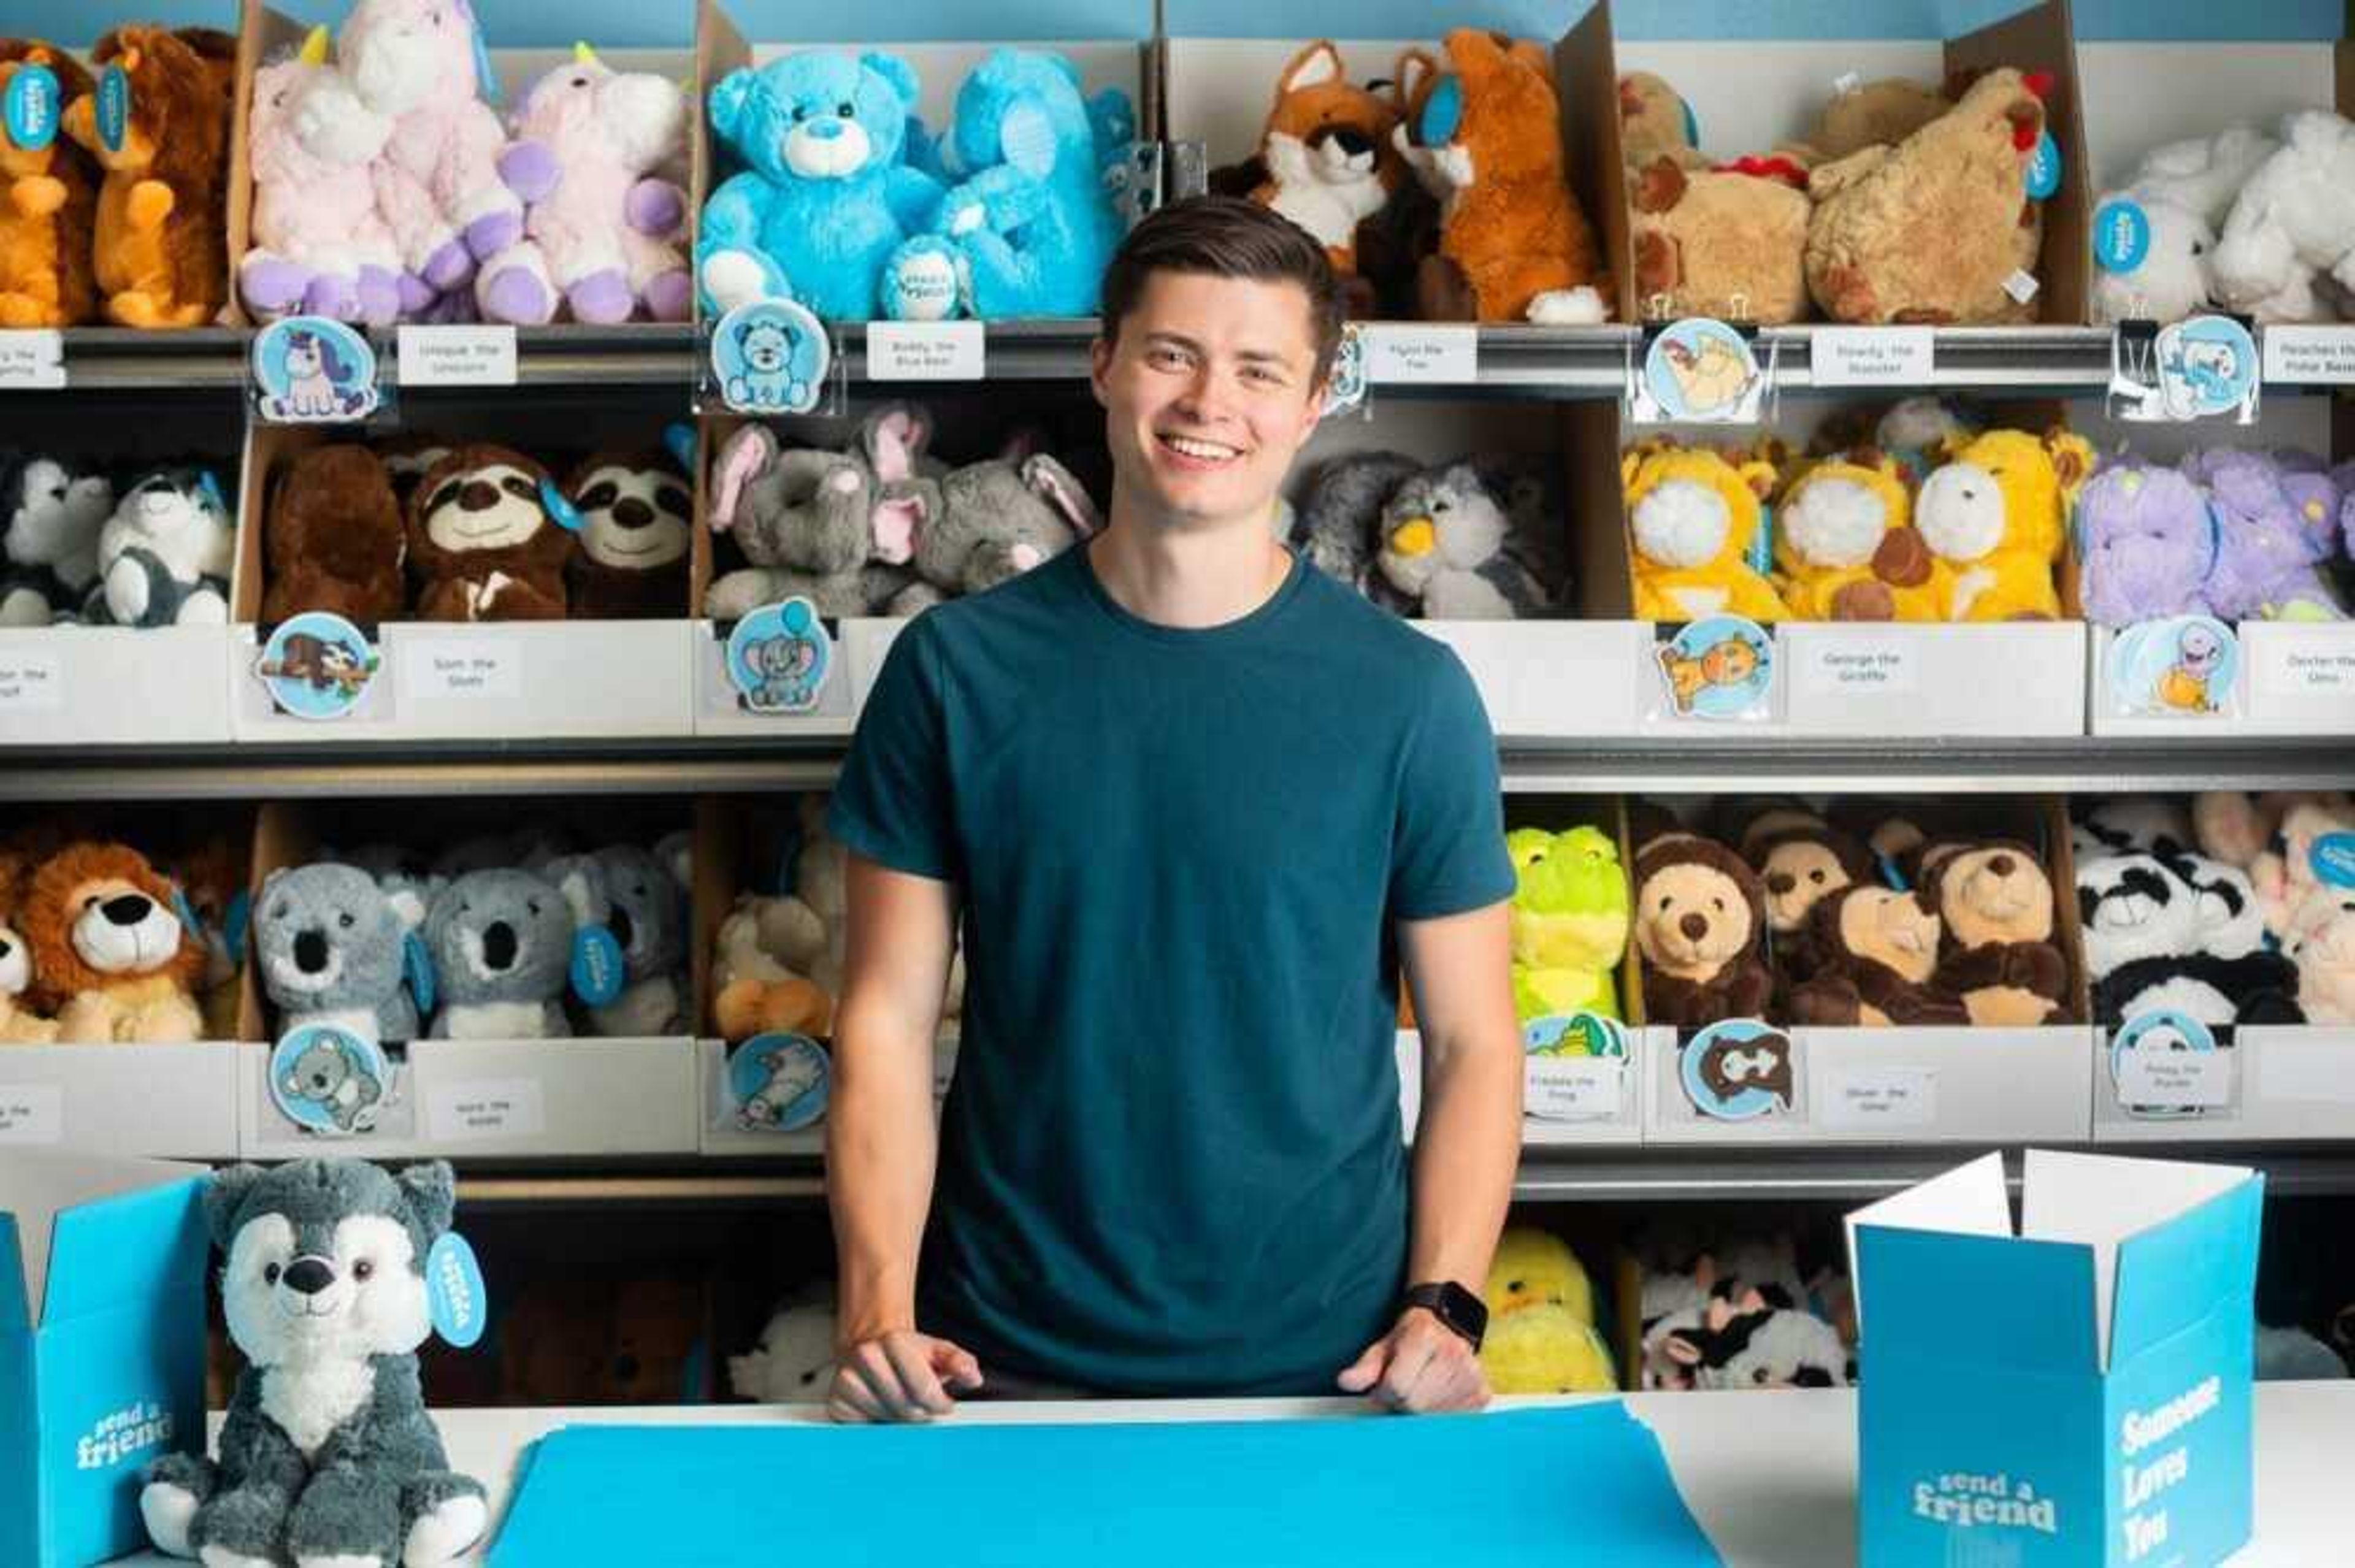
(316, 666)
(1704, 370)
(597, 971)
(2043, 168)
(2164, 1030)
(2207, 366)
(2333, 858)
(1345, 386)
(2121, 235)
(455, 1300)
(328, 1081)
(30, 106)
(308, 369)
(1574, 1034)
(779, 657)
(113, 107)
(1719, 668)
(1739, 1070)
(2182, 668)
(771, 357)
(778, 1082)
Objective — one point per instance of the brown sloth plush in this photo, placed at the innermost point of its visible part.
(1996, 903)
(481, 541)
(1700, 915)
(110, 956)
(1876, 951)
(334, 537)
(636, 513)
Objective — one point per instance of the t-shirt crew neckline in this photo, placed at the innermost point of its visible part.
(1128, 620)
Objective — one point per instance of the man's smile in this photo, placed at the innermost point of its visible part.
(1196, 450)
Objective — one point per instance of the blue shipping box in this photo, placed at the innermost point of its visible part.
(102, 1347)
(2075, 1394)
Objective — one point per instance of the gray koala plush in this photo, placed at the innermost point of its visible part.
(327, 1453)
(1446, 546)
(989, 521)
(1339, 528)
(330, 945)
(644, 911)
(501, 942)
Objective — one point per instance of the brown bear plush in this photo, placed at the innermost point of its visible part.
(110, 957)
(1876, 951)
(636, 513)
(161, 251)
(1699, 917)
(51, 211)
(481, 541)
(1996, 903)
(334, 537)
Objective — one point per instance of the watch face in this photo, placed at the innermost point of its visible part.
(1463, 1310)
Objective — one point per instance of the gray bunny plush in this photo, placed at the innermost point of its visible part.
(501, 942)
(327, 1455)
(329, 944)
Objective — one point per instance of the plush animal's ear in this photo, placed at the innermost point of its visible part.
(731, 101)
(747, 454)
(225, 1194)
(1052, 483)
(900, 516)
(431, 1189)
(897, 71)
(1315, 66)
(1683, 1348)
(1415, 69)
(1027, 136)
(894, 439)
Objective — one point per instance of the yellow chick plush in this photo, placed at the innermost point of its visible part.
(1996, 513)
(1846, 547)
(1546, 1349)
(1691, 518)
(1533, 1267)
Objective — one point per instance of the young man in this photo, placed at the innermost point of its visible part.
(1193, 802)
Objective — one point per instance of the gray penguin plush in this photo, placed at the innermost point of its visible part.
(1338, 527)
(993, 520)
(330, 945)
(644, 911)
(501, 942)
(327, 1453)
(1445, 540)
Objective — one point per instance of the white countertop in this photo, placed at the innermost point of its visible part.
(1771, 1476)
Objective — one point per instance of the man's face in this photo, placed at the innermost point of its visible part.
(1209, 394)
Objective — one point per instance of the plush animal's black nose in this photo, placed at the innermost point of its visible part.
(1781, 883)
(629, 512)
(2001, 865)
(625, 1367)
(1694, 926)
(622, 926)
(309, 1275)
(7, 946)
(311, 951)
(127, 909)
(1811, 1377)
(479, 495)
(499, 944)
(1353, 141)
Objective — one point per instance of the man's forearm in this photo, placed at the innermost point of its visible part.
(881, 1146)
(1467, 1149)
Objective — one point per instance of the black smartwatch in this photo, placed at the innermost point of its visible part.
(1454, 1305)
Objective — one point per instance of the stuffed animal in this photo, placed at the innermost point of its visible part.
(804, 519)
(1876, 949)
(1995, 514)
(163, 558)
(1999, 955)
(1693, 517)
(320, 246)
(1656, 122)
(1932, 229)
(1730, 243)
(794, 1362)
(2283, 873)
(2288, 244)
(210, 871)
(2146, 545)
(501, 942)
(754, 990)
(1878, 113)
(109, 957)
(1484, 138)
(602, 228)
(1764, 1346)
(2140, 824)
(998, 519)
(160, 250)
(1541, 1336)
(330, 949)
(1700, 920)
(1328, 153)
(824, 200)
(50, 218)
(1800, 866)
(1449, 548)
(2236, 827)
(1531, 1267)
(1846, 547)
(645, 911)
(2184, 191)
(50, 519)
(637, 517)
(333, 538)
(327, 1453)
(416, 63)
(1569, 920)
(2274, 528)
(1339, 527)
(2144, 950)
(19, 1023)
(483, 542)
(2322, 944)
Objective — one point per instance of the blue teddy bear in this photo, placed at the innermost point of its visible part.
(826, 198)
(1032, 227)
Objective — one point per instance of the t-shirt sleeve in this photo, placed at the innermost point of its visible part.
(893, 803)
(1447, 852)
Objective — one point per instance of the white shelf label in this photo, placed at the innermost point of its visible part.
(2175, 1080)
(1879, 1097)
(925, 351)
(461, 671)
(2301, 672)
(33, 356)
(2311, 1068)
(458, 356)
(1572, 1088)
(2317, 354)
(500, 1108)
(1855, 665)
(31, 682)
(1421, 356)
(32, 1113)
(1871, 356)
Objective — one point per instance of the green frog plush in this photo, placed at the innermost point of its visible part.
(1569, 922)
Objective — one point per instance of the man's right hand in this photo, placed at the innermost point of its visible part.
(899, 1375)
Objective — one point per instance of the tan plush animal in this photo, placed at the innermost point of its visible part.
(1875, 114)
(1877, 950)
(1999, 957)
(1699, 919)
(108, 949)
(19, 1025)
(1728, 244)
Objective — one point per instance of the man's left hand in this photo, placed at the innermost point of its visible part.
(1420, 1367)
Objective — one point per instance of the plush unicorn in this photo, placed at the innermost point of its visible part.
(320, 247)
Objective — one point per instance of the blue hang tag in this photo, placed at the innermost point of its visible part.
(560, 507)
(186, 911)
(678, 440)
(31, 107)
(2043, 168)
(596, 966)
(1891, 874)
(455, 1299)
(234, 920)
(417, 969)
(2333, 859)
(2121, 235)
(114, 110)
(487, 79)
(1442, 112)
(1693, 122)
(1761, 543)
(209, 487)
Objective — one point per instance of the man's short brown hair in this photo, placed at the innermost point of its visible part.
(1226, 237)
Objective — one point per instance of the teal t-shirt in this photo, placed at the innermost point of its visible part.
(1171, 1156)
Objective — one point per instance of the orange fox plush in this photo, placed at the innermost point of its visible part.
(1327, 150)
(51, 205)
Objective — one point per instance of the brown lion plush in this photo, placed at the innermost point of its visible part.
(19, 1024)
(51, 209)
(161, 252)
(334, 537)
(481, 541)
(1876, 951)
(1999, 958)
(1699, 917)
(108, 951)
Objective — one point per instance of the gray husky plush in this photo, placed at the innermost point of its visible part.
(327, 1455)
(501, 942)
(330, 945)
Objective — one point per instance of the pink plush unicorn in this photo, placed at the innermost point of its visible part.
(601, 227)
(437, 183)
(319, 245)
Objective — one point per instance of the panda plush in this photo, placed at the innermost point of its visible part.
(2133, 825)
(2155, 939)
(163, 558)
(50, 515)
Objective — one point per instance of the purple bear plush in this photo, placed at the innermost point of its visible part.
(2275, 522)
(2147, 544)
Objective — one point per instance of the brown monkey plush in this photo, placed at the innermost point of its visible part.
(483, 542)
(1876, 949)
(1699, 917)
(1996, 903)
(334, 537)
(636, 513)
